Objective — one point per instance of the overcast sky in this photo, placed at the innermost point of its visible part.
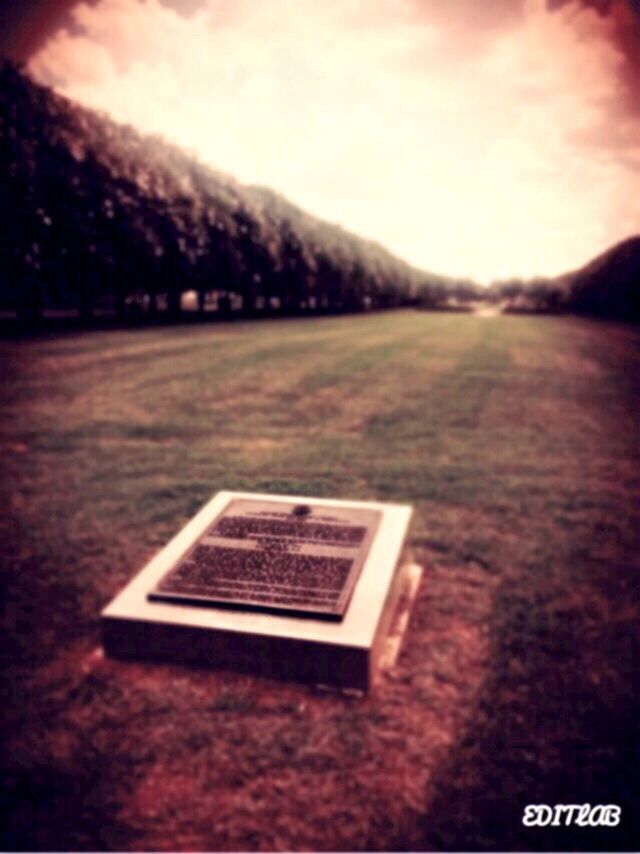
(483, 138)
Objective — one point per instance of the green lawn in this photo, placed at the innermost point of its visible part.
(518, 442)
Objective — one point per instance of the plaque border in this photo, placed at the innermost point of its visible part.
(335, 613)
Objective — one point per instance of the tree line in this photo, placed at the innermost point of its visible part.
(97, 218)
(607, 287)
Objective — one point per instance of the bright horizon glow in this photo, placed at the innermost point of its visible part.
(467, 153)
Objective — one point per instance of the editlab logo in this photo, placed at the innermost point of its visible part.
(582, 815)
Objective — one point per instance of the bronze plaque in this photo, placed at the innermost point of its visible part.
(275, 556)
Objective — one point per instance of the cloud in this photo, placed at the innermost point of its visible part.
(467, 149)
(623, 31)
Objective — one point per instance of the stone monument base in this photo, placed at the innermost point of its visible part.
(344, 653)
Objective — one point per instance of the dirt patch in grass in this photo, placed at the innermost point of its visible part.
(200, 760)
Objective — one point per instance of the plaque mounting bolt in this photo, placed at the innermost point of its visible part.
(301, 510)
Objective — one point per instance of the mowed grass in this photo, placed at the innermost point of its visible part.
(517, 441)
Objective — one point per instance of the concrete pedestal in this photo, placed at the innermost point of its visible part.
(344, 654)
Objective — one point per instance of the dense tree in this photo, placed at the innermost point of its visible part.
(608, 286)
(97, 217)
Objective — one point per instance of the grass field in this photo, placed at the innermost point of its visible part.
(518, 442)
